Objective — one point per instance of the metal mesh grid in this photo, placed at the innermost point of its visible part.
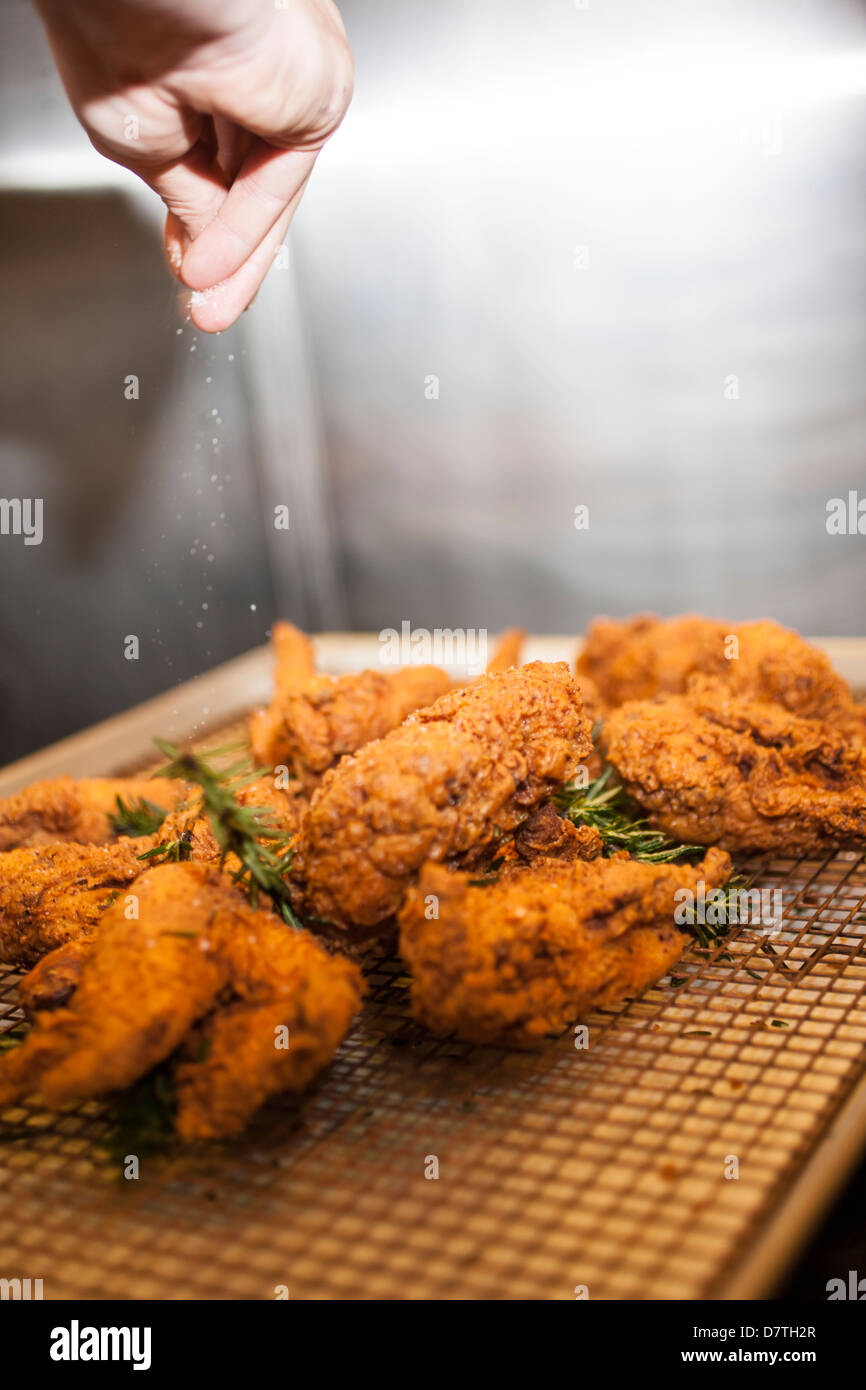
(602, 1167)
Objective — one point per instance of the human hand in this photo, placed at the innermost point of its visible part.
(220, 108)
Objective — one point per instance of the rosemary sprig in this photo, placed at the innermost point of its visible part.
(606, 808)
(710, 933)
(238, 830)
(136, 817)
(171, 851)
(141, 1119)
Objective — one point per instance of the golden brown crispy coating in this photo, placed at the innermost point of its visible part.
(507, 652)
(309, 730)
(63, 809)
(646, 656)
(56, 893)
(294, 660)
(280, 979)
(710, 768)
(445, 785)
(148, 980)
(313, 721)
(143, 986)
(54, 978)
(294, 667)
(521, 958)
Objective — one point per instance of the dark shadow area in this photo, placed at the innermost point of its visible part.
(839, 1246)
(145, 532)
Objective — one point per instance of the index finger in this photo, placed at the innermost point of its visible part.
(268, 181)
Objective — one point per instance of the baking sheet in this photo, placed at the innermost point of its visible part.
(600, 1169)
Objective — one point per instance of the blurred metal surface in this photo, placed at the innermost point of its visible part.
(583, 219)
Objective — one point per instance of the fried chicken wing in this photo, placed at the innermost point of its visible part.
(507, 652)
(309, 730)
(285, 988)
(294, 668)
(196, 946)
(314, 721)
(63, 809)
(646, 656)
(143, 986)
(294, 662)
(711, 768)
(54, 979)
(443, 786)
(516, 960)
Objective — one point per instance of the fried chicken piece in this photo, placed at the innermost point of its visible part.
(149, 980)
(294, 668)
(523, 957)
(309, 730)
(711, 768)
(646, 656)
(56, 893)
(145, 983)
(445, 785)
(280, 979)
(63, 809)
(508, 649)
(54, 978)
(548, 835)
(294, 660)
(313, 721)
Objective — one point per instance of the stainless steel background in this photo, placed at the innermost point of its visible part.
(710, 161)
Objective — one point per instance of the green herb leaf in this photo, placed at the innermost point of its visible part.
(606, 809)
(238, 830)
(136, 817)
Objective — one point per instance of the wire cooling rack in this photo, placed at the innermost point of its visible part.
(664, 1160)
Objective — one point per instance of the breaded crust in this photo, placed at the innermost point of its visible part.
(197, 966)
(63, 809)
(310, 729)
(516, 960)
(709, 768)
(443, 786)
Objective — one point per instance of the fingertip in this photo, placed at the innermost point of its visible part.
(212, 309)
